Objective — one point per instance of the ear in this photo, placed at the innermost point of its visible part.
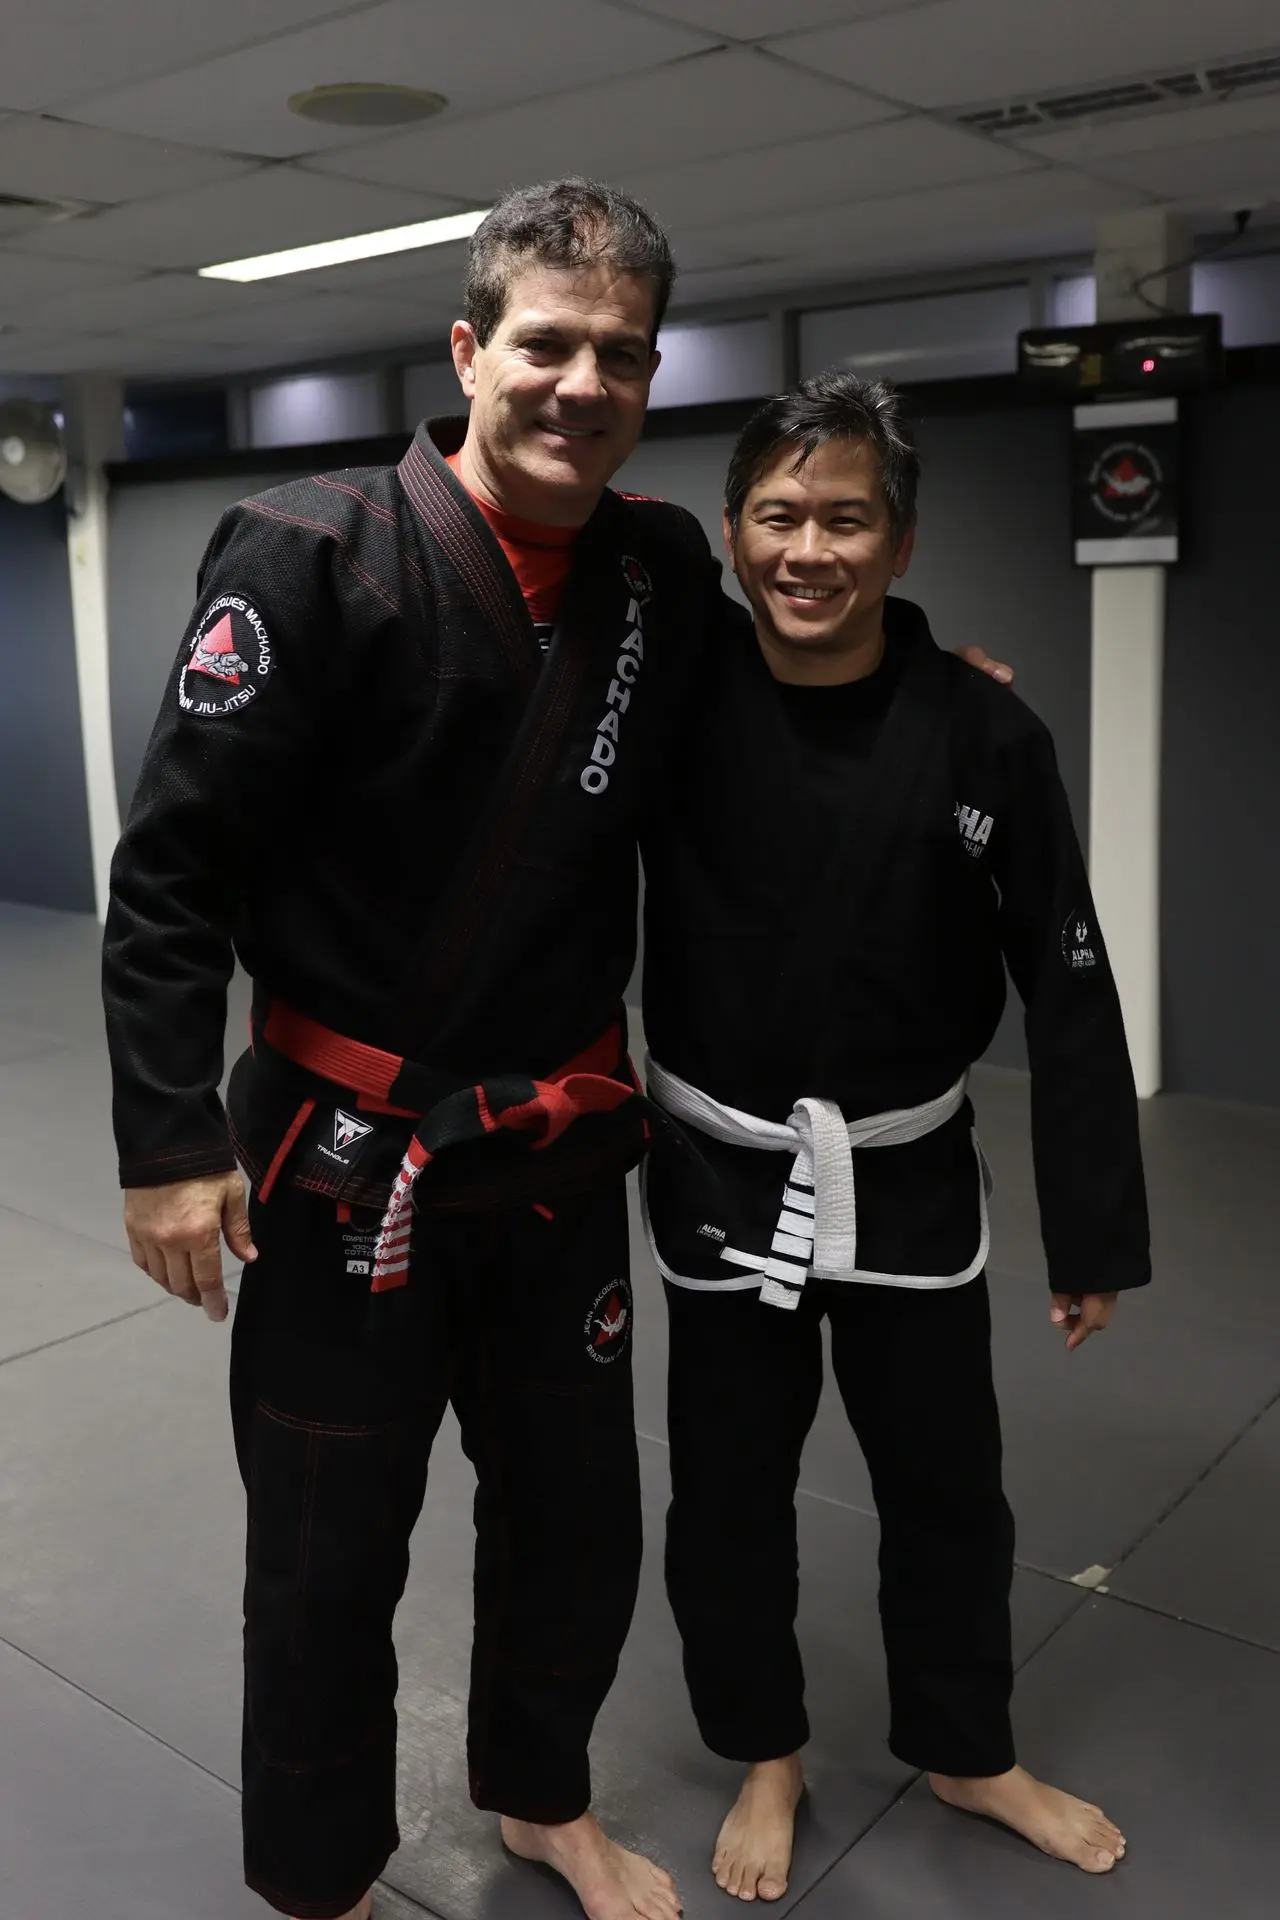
(464, 347)
(655, 361)
(727, 524)
(907, 546)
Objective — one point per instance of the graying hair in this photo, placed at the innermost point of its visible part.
(563, 223)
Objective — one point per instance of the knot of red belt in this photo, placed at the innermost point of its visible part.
(511, 1103)
(545, 1108)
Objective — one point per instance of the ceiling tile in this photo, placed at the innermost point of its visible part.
(433, 273)
(149, 300)
(259, 212)
(37, 352)
(893, 157)
(55, 159)
(40, 351)
(962, 52)
(240, 101)
(1223, 174)
(319, 318)
(708, 104)
(756, 19)
(28, 277)
(1090, 141)
(65, 48)
(980, 222)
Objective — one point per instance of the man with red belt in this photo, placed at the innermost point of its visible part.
(397, 771)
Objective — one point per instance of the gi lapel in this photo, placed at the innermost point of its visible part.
(451, 521)
(553, 696)
(902, 791)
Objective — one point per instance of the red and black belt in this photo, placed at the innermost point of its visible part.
(447, 1115)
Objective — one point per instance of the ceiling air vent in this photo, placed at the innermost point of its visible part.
(1208, 85)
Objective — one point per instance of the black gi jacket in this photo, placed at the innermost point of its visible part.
(365, 782)
(857, 953)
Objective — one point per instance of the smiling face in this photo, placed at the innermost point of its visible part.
(815, 553)
(558, 393)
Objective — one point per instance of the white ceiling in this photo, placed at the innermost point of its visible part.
(780, 159)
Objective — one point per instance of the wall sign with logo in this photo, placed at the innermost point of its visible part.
(1126, 478)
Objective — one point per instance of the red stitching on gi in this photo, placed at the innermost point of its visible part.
(382, 513)
(463, 557)
(340, 539)
(299, 1425)
(468, 555)
(344, 486)
(283, 1151)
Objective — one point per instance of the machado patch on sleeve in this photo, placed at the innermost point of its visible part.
(229, 661)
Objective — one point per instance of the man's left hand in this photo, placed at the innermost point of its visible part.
(975, 657)
(1093, 1313)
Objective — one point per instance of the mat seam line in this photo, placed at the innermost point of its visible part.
(64, 1339)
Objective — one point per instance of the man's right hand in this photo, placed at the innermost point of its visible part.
(176, 1232)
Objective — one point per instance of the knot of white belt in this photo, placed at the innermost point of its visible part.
(817, 1230)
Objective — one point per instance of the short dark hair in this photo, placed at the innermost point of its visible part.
(834, 405)
(563, 223)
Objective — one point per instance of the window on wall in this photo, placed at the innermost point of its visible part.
(941, 336)
(1073, 301)
(306, 409)
(727, 360)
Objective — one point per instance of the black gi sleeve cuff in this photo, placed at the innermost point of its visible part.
(1127, 1279)
(191, 1163)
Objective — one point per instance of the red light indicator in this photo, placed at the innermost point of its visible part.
(1148, 366)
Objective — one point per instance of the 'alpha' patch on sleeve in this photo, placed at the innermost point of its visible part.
(1077, 944)
(230, 659)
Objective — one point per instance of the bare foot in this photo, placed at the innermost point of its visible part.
(1069, 1829)
(363, 1909)
(753, 1854)
(611, 1883)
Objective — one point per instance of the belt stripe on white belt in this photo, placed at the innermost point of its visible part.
(817, 1227)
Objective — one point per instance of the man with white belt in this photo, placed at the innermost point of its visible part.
(865, 833)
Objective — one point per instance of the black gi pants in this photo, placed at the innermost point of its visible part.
(914, 1371)
(524, 1324)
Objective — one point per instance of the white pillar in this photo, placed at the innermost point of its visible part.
(1128, 675)
(1132, 246)
(1124, 796)
(94, 416)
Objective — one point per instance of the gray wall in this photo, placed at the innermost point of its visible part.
(1220, 878)
(45, 856)
(157, 534)
(993, 567)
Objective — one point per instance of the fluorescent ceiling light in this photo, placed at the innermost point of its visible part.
(360, 246)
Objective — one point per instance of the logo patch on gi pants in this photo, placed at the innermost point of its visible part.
(349, 1135)
(609, 1323)
(230, 659)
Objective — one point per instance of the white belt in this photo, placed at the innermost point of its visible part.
(817, 1230)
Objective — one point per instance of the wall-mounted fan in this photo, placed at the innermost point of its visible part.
(33, 456)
